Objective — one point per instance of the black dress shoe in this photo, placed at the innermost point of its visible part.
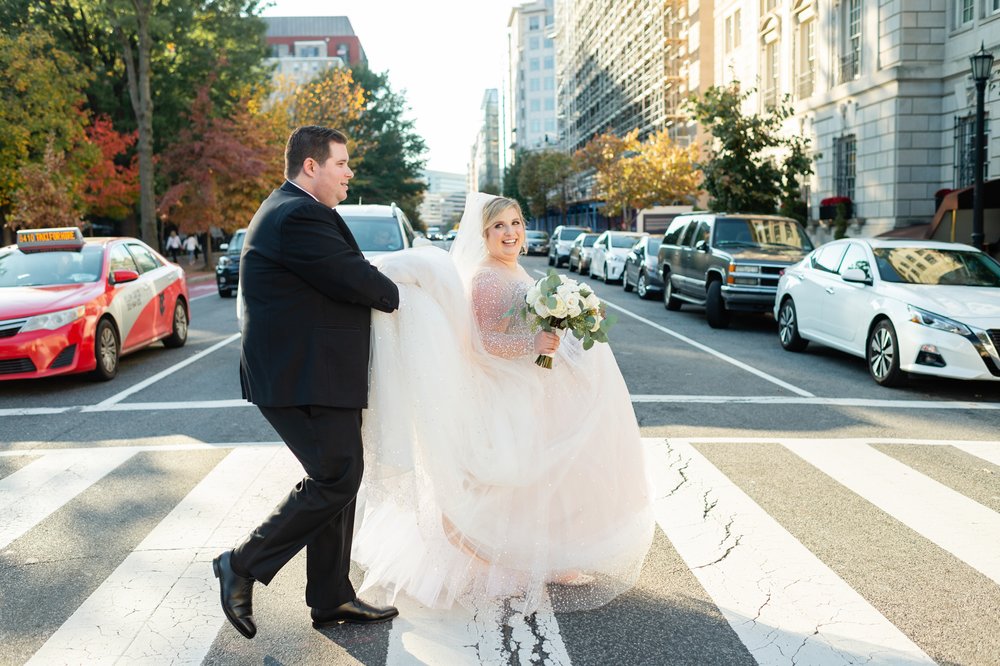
(354, 612)
(237, 595)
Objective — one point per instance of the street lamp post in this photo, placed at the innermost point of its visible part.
(982, 63)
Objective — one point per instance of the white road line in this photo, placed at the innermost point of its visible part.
(988, 451)
(949, 519)
(118, 397)
(34, 492)
(461, 637)
(157, 406)
(708, 350)
(783, 602)
(161, 605)
(99, 450)
(826, 402)
(33, 411)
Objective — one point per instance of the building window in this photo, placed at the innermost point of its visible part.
(534, 43)
(965, 150)
(550, 104)
(533, 84)
(772, 69)
(845, 163)
(533, 65)
(733, 31)
(549, 62)
(807, 59)
(768, 6)
(965, 11)
(850, 60)
(533, 23)
(550, 83)
(535, 105)
(994, 6)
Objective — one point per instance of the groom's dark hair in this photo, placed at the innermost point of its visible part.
(309, 141)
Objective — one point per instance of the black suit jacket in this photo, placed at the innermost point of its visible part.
(308, 293)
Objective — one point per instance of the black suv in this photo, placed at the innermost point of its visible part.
(727, 261)
(227, 268)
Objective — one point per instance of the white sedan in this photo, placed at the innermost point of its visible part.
(607, 260)
(915, 306)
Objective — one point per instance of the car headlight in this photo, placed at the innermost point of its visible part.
(925, 318)
(223, 263)
(50, 321)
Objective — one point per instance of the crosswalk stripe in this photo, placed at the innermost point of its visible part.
(459, 637)
(161, 604)
(988, 451)
(785, 604)
(952, 521)
(36, 490)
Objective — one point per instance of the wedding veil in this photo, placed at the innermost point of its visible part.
(469, 248)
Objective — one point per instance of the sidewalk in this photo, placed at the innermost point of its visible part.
(197, 272)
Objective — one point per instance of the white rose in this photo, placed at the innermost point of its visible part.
(597, 324)
(560, 310)
(540, 308)
(592, 302)
(533, 293)
(564, 291)
(574, 305)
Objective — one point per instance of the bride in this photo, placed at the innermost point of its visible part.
(488, 476)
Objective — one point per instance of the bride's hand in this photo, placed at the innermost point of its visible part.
(546, 343)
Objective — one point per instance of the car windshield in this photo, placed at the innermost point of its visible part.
(589, 240)
(940, 266)
(654, 245)
(375, 234)
(622, 241)
(236, 243)
(536, 235)
(569, 234)
(750, 232)
(42, 269)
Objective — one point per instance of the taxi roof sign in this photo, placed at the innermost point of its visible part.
(41, 240)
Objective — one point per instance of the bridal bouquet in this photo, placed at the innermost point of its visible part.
(557, 302)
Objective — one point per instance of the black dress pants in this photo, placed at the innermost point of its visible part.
(319, 512)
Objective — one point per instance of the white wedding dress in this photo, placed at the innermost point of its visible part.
(487, 476)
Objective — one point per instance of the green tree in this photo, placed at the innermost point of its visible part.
(544, 179)
(742, 172)
(41, 99)
(389, 152)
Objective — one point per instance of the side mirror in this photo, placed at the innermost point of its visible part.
(701, 246)
(855, 275)
(122, 276)
(223, 247)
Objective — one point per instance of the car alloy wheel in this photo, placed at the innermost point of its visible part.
(179, 333)
(670, 301)
(106, 351)
(641, 287)
(883, 355)
(788, 328)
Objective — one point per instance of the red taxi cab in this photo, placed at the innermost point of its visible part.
(70, 304)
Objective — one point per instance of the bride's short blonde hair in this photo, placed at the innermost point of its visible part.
(497, 205)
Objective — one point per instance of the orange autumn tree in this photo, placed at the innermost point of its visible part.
(220, 168)
(49, 193)
(631, 174)
(111, 184)
(333, 99)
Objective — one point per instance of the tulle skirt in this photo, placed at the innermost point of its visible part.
(494, 478)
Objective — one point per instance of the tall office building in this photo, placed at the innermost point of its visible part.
(484, 167)
(530, 94)
(622, 66)
(883, 89)
(444, 198)
(303, 46)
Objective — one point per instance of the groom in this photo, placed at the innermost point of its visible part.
(308, 294)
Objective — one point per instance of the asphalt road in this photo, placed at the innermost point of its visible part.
(805, 514)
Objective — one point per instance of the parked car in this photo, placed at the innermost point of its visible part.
(70, 304)
(378, 228)
(924, 307)
(536, 242)
(580, 252)
(227, 268)
(607, 261)
(559, 245)
(640, 268)
(727, 262)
